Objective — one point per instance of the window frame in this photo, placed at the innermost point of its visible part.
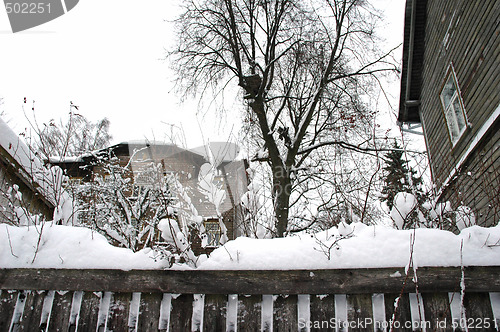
(450, 108)
(213, 240)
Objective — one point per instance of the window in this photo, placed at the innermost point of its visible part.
(212, 229)
(71, 182)
(453, 110)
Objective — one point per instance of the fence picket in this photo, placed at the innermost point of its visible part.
(478, 312)
(182, 312)
(437, 311)
(397, 314)
(61, 311)
(8, 300)
(249, 313)
(89, 311)
(214, 316)
(149, 313)
(118, 312)
(32, 316)
(285, 313)
(322, 313)
(360, 312)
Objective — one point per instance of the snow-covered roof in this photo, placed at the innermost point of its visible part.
(219, 151)
(145, 142)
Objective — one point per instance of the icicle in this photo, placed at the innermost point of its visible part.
(341, 312)
(198, 308)
(47, 309)
(232, 313)
(18, 310)
(75, 308)
(378, 307)
(134, 311)
(417, 312)
(495, 307)
(463, 316)
(102, 319)
(165, 308)
(304, 311)
(267, 313)
(455, 308)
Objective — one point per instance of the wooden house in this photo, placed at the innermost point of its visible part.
(186, 165)
(451, 86)
(21, 169)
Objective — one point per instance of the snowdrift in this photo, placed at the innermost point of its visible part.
(350, 246)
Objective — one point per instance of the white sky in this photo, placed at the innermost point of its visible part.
(106, 57)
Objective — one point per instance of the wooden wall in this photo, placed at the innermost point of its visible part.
(465, 33)
(32, 201)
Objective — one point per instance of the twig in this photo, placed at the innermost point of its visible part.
(10, 243)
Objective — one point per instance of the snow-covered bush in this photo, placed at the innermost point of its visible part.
(127, 213)
(405, 212)
(408, 213)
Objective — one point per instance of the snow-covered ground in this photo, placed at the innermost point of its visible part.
(352, 246)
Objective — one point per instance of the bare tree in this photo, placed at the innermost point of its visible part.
(303, 66)
(68, 138)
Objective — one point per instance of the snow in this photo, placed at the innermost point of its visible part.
(67, 247)
(366, 247)
(404, 203)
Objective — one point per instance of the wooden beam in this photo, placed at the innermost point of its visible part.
(339, 281)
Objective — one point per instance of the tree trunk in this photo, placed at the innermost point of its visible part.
(282, 191)
(281, 176)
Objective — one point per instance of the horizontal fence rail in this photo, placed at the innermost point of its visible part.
(443, 299)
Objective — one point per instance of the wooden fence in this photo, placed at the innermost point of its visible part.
(443, 299)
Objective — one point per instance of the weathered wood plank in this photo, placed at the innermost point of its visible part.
(32, 312)
(89, 311)
(322, 313)
(478, 312)
(149, 312)
(60, 313)
(182, 311)
(360, 312)
(437, 311)
(397, 313)
(214, 317)
(7, 304)
(119, 309)
(341, 281)
(285, 313)
(249, 313)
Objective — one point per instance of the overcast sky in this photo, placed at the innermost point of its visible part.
(106, 57)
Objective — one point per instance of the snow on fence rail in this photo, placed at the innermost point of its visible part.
(278, 300)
